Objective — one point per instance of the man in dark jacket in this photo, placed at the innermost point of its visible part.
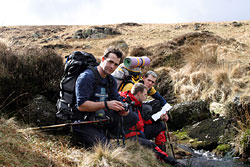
(97, 98)
(154, 129)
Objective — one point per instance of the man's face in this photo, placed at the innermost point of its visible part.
(142, 96)
(149, 82)
(110, 63)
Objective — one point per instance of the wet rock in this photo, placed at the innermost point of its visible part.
(212, 132)
(188, 113)
(182, 153)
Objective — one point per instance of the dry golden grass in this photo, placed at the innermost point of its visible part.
(213, 74)
(216, 70)
(33, 148)
(216, 66)
(145, 35)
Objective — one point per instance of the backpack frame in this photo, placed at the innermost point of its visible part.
(76, 63)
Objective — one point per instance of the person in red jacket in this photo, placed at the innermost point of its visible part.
(135, 97)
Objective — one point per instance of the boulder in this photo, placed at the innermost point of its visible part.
(188, 113)
(129, 24)
(96, 33)
(39, 112)
(212, 132)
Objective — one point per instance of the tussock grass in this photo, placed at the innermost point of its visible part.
(34, 148)
(208, 76)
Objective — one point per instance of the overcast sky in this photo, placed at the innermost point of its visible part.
(94, 12)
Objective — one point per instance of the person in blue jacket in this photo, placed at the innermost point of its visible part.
(97, 98)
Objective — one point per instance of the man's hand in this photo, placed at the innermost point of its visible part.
(115, 105)
(164, 117)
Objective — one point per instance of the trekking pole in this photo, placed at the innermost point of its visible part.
(169, 141)
(63, 125)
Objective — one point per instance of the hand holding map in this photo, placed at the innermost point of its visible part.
(164, 109)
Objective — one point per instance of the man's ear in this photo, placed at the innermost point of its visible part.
(103, 58)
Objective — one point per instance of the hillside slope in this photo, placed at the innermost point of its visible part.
(133, 34)
(208, 61)
(211, 52)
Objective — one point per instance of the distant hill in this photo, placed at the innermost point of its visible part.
(133, 34)
(184, 48)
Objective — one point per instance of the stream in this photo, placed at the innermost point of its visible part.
(202, 158)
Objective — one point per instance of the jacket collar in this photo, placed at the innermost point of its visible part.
(132, 97)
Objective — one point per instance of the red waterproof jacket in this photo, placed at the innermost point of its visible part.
(134, 130)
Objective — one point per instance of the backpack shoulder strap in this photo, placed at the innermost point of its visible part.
(95, 72)
(110, 83)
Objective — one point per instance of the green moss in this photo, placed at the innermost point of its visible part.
(245, 141)
(182, 135)
(245, 136)
(194, 142)
(223, 147)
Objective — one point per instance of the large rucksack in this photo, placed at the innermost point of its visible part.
(75, 64)
(124, 76)
(130, 77)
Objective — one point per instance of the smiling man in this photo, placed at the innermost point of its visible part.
(97, 98)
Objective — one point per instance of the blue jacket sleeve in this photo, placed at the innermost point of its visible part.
(159, 97)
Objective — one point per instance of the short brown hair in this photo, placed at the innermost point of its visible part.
(151, 73)
(138, 87)
(114, 50)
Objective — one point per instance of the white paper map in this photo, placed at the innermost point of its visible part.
(164, 109)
